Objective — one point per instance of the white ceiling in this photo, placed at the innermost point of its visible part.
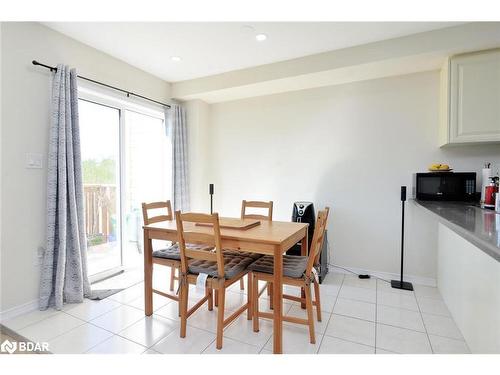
(212, 48)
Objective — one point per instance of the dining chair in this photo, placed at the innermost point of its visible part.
(169, 256)
(245, 215)
(298, 271)
(257, 204)
(223, 268)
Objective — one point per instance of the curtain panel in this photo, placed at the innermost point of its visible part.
(177, 128)
(64, 264)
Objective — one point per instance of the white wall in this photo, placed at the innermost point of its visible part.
(198, 148)
(350, 147)
(25, 124)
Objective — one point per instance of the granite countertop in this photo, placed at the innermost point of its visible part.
(479, 226)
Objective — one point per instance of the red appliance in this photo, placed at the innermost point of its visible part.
(490, 193)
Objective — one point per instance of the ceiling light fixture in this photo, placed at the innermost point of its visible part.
(175, 58)
(260, 37)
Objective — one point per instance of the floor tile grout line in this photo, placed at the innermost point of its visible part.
(114, 308)
(322, 334)
(147, 346)
(31, 324)
(355, 317)
(202, 329)
(447, 337)
(113, 335)
(392, 325)
(53, 338)
(72, 329)
(423, 323)
(125, 338)
(232, 339)
(270, 337)
(263, 348)
(209, 345)
(408, 329)
(122, 329)
(418, 306)
(349, 340)
(56, 337)
(331, 315)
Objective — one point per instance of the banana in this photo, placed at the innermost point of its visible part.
(439, 167)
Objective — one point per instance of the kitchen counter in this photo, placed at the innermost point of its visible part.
(479, 226)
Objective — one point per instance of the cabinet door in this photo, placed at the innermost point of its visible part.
(475, 98)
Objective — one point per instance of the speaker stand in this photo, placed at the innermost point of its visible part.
(400, 284)
(405, 285)
(211, 192)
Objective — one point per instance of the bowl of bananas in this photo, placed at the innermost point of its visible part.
(439, 168)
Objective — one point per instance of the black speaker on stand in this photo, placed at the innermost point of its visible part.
(400, 284)
(211, 192)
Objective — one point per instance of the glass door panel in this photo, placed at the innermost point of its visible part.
(148, 175)
(100, 147)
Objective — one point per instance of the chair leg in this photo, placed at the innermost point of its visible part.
(317, 298)
(216, 298)
(220, 315)
(255, 303)
(242, 284)
(208, 293)
(250, 293)
(310, 318)
(184, 307)
(172, 277)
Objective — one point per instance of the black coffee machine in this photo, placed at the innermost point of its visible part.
(303, 212)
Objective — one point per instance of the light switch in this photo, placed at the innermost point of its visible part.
(34, 161)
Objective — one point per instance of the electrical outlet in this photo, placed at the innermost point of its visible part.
(34, 161)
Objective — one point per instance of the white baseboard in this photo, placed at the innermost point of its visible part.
(428, 281)
(19, 310)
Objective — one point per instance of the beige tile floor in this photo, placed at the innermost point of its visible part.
(359, 316)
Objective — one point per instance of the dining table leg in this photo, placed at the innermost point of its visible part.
(278, 302)
(148, 274)
(304, 245)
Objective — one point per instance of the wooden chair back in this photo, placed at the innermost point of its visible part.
(257, 204)
(317, 240)
(194, 237)
(154, 206)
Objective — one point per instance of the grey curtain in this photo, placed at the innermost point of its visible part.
(177, 128)
(64, 265)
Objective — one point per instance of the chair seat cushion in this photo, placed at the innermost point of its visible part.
(254, 256)
(234, 263)
(173, 252)
(293, 266)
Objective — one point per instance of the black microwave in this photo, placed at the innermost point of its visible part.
(445, 186)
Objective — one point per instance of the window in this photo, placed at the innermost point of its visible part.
(126, 160)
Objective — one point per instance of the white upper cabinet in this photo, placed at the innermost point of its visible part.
(470, 94)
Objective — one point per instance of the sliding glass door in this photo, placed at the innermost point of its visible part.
(147, 176)
(100, 144)
(126, 157)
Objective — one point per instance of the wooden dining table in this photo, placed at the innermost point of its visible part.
(268, 238)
